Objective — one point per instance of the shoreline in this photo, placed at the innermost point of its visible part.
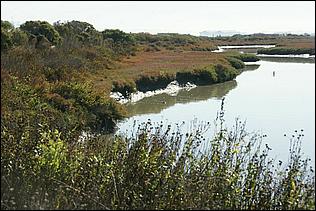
(171, 89)
(287, 55)
(174, 87)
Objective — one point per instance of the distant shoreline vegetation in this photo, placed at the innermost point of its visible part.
(286, 51)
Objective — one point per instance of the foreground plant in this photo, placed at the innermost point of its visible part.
(158, 167)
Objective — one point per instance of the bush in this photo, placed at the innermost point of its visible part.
(124, 87)
(6, 40)
(203, 49)
(153, 82)
(225, 73)
(98, 113)
(203, 76)
(246, 57)
(236, 63)
(207, 75)
(43, 28)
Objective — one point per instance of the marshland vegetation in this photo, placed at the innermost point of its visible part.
(55, 84)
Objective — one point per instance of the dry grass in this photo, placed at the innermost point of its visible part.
(154, 64)
(298, 43)
(151, 63)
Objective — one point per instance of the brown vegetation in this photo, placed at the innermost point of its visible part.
(168, 61)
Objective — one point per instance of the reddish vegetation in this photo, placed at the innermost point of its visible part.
(167, 61)
(164, 61)
(289, 41)
(298, 43)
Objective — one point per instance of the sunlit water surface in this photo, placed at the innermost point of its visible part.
(271, 105)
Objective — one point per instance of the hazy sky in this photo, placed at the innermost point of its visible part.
(181, 17)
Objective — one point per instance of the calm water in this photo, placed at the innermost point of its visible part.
(271, 105)
(242, 48)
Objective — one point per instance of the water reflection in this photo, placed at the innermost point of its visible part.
(270, 105)
(155, 104)
(251, 67)
(245, 46)
(288, 59)
(241, 50)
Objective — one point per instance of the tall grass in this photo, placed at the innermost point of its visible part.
(156, 168)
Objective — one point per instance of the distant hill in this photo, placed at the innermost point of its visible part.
(224, 33)
(229, 33)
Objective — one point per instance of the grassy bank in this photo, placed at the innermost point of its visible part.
(156, 168)
(155, 70)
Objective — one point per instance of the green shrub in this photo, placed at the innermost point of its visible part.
(124, 87)
(202, 49)
(38, 28)
(203, 76)
(207, 75)
(236, 63)
(99, 113)
(6, 40)
(246, 57)
(152, 82)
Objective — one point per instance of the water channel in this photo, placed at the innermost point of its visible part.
(275, 96)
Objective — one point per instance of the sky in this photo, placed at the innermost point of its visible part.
(185, 17)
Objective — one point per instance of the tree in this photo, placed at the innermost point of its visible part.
(81, 31)
(118, 36)
(6, 40)
(7, 26)
(6, 35)
(43, 28)
(11, 36)
(122, 43)
(19, 37)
